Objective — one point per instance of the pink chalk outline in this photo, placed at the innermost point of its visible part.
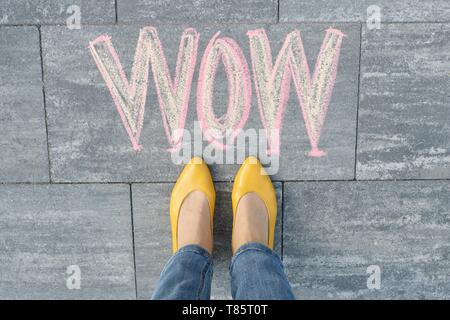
(288, 72)
(130, 89)
(315, 137)
(274, 142)
(141, 63)
(237, 56)
(133, 95)
(175, 141)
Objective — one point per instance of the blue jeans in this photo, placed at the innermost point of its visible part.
(257, 273)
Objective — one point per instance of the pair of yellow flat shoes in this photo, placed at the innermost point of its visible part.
(251, 178)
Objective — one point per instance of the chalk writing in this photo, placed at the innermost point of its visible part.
(272, 84)
(130, 98)
(240, 92)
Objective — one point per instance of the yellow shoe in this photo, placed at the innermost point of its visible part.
(194, 177)
(252, 177)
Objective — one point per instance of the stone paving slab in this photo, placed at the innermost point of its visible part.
(350, 10)
(180, 11)
(44, 229)
(152, 235)
(333, 231)
(22, 117)
(88, 141)
(404, 114)
(56, 11)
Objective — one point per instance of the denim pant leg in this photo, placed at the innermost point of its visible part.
(257, 273)
(187, 276)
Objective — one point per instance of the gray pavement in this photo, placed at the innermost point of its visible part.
(73, 192)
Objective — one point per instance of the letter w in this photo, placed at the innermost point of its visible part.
(272, 83)
(130, 97)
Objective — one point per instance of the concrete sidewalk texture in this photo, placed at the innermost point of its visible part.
(93, 91)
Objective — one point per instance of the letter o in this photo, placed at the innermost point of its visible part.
(239, 88)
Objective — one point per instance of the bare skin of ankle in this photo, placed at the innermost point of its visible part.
(251, 222)
(194, 225)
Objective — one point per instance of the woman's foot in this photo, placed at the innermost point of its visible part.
(254, 206)
(194, 222)
(192, 206)
(251, 222)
